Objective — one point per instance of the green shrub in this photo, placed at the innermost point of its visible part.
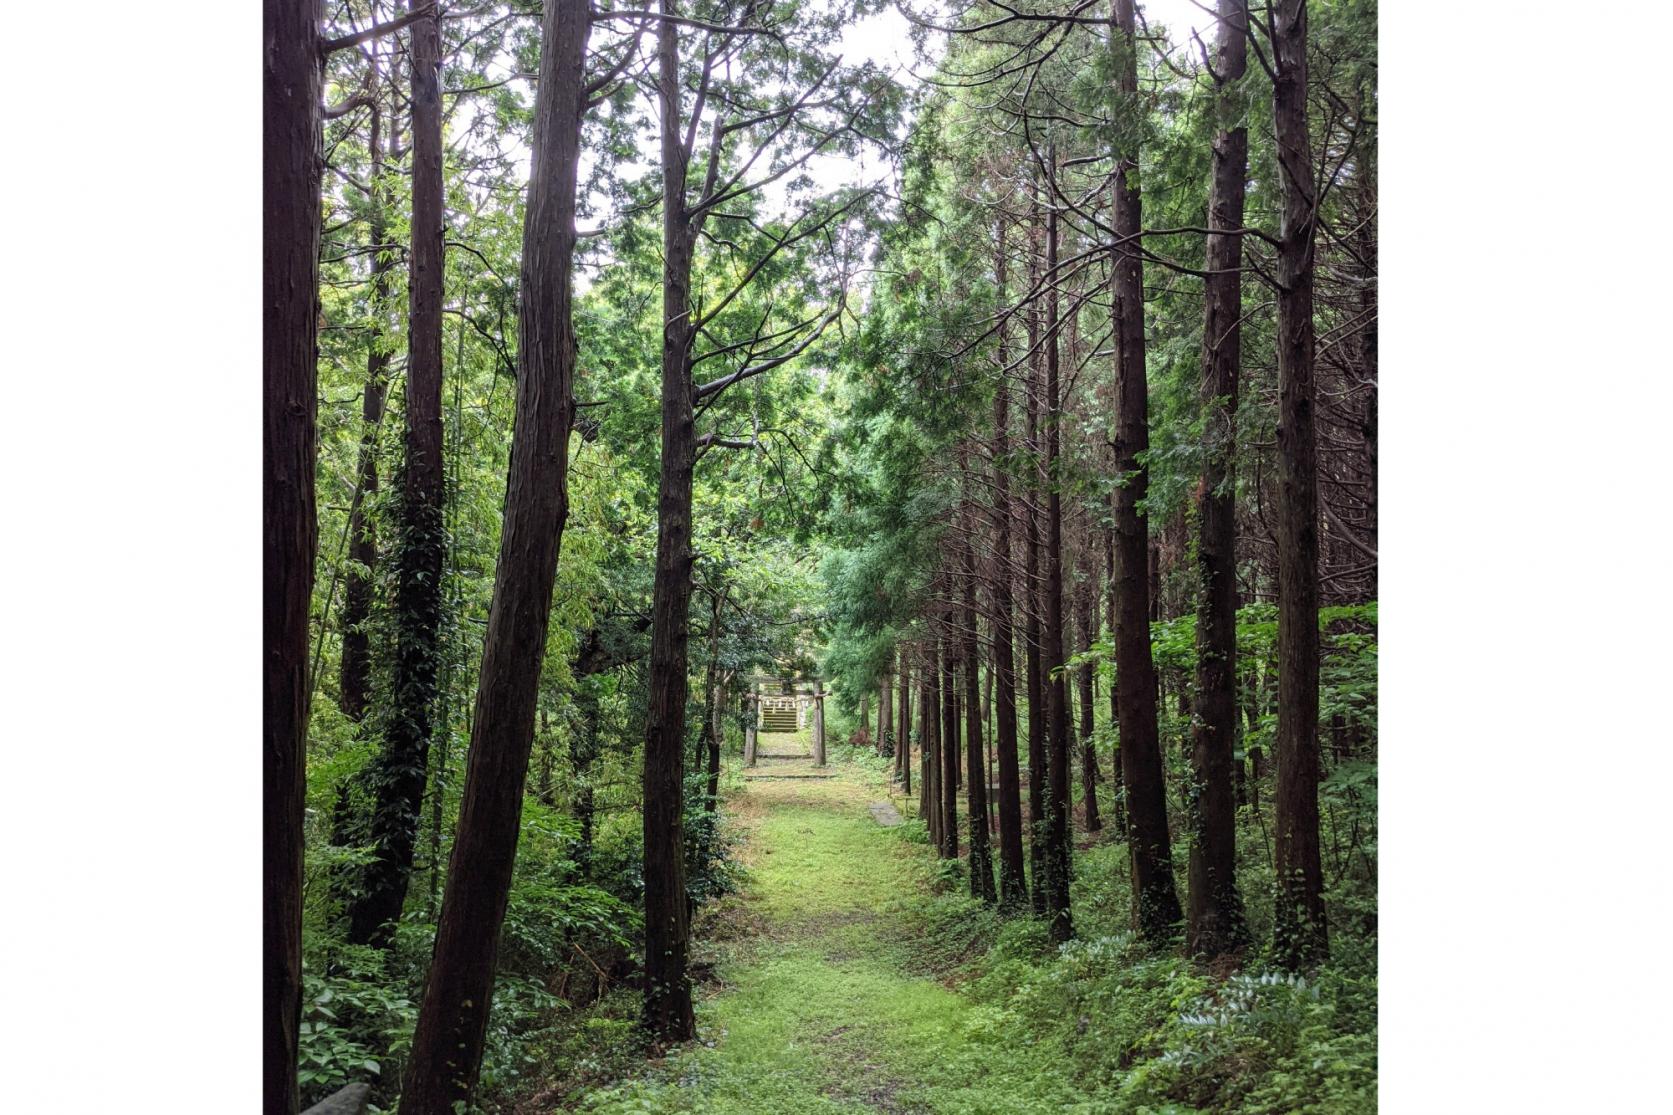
(356, 1022)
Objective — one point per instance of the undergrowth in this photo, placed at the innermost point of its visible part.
(855, 974)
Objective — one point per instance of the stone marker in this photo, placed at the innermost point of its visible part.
(347, 1100)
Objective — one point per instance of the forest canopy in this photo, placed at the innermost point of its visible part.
(687, 421)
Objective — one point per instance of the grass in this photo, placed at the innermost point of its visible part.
(820, 1006)
(851, 974)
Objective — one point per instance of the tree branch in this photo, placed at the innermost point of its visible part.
(378, 30)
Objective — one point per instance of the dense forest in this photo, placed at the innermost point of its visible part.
(796, 582)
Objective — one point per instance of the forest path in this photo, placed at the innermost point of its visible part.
(814, 1006)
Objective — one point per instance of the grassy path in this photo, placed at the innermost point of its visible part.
(816, 1006)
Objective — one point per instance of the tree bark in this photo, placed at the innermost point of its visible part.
(354, 677)
(818, 723)
(399, 778)
(717, 736)
(929, 718)
(948, 748)
(1299, 931)
(668, 1014)
(1367, 206)
(976, 782)
(1038, 775)
(712, 734)
(292, 158)
(1013, 886)
(1214, 918)
(903, 745)
(753, 713)
(1118, 782)
(885, 714)
(1154, 893)
(1088, 754)
(453, 1018)
(1058, 863)
(1252, 723)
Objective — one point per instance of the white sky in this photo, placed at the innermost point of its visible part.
(885, 39)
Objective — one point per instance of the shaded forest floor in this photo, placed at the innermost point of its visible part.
(818, 1000)
(850, 972)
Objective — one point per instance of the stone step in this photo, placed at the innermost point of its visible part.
(885, 813)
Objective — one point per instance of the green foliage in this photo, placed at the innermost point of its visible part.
(353, 1021)
(815, 549)
(711, 869)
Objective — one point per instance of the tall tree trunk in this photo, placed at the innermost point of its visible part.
(1367, 205)
(1013, 886)
(949, 749)
(885, 714)
(292, 157)
(958, 703)
(1118, 782)
(818, 723)
(929, 805)
(752, 711)
(717, 736)
(1214, 918)
(711, 736)
(1299, 932)
(1252, 723)
(1088, 754)
(543, 788)
(987, 725)
(1038, 775)
(1156, 613)
(668, 1014)
(903, 745)
(1154, 893)
(976, 782)
(400, 775)
(452, 1026)
(354, 688)
(1058, 863)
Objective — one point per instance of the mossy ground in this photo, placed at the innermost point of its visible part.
(852, 974)
(819, 1003)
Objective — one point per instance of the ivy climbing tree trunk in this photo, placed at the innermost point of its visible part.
(1154, 893)
(354, 689)
(292, 157)
(453, 1018)
(399, 776)
(1214, 918)
(1299, 931)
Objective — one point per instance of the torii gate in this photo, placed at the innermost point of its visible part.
(786, 711)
